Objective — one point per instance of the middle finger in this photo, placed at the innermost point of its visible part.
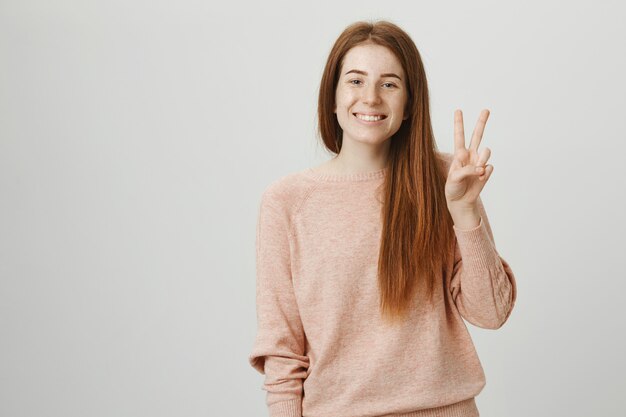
(478, 130)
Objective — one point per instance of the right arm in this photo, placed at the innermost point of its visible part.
(278, 351)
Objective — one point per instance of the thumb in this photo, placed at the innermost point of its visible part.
(468, 171)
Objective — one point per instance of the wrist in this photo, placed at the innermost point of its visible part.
(465, 217)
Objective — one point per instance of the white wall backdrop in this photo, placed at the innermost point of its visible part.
(137, 136)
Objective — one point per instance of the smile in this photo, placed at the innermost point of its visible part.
(370, 118)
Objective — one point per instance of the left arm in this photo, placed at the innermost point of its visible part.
(482, 283)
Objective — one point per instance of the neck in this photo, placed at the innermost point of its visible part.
(355, 157)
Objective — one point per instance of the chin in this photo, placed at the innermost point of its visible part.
(371, 140)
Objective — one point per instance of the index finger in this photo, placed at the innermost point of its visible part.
(459, 133)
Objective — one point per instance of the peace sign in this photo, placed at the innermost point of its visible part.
(468, 173)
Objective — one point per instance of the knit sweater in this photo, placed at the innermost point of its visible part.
(321, 343)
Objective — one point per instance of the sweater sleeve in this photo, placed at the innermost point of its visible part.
(279, 347)
(483, 285)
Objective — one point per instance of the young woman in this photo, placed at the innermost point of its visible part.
(368, 264)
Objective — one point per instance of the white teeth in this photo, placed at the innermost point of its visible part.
(368, 118)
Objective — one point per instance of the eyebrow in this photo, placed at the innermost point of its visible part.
(389, 74)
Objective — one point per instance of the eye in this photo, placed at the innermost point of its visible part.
(352, 81)
(391, 84)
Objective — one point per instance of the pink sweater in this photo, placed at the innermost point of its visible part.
(321, 344)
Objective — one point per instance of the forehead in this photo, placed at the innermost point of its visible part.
(372, 58)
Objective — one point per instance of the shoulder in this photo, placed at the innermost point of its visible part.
(287, 192)
(445, 156)
(445, 159)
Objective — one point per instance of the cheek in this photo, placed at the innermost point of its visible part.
(402, 105)
(344, 98)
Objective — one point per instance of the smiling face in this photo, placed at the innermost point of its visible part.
(371, 94)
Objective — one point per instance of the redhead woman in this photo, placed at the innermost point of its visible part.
(369, 264)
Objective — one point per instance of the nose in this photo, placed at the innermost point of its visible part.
(371, 95)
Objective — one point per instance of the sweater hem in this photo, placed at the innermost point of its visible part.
(465, 408)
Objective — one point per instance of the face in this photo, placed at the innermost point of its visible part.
(371, 83)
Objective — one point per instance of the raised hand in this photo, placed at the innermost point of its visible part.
(468, 172)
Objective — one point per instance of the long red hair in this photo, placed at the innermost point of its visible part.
(417, 235)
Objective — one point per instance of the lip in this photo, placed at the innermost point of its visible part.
(365, 113)
(376, 122)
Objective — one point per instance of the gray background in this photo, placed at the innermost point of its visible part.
(137, 136)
